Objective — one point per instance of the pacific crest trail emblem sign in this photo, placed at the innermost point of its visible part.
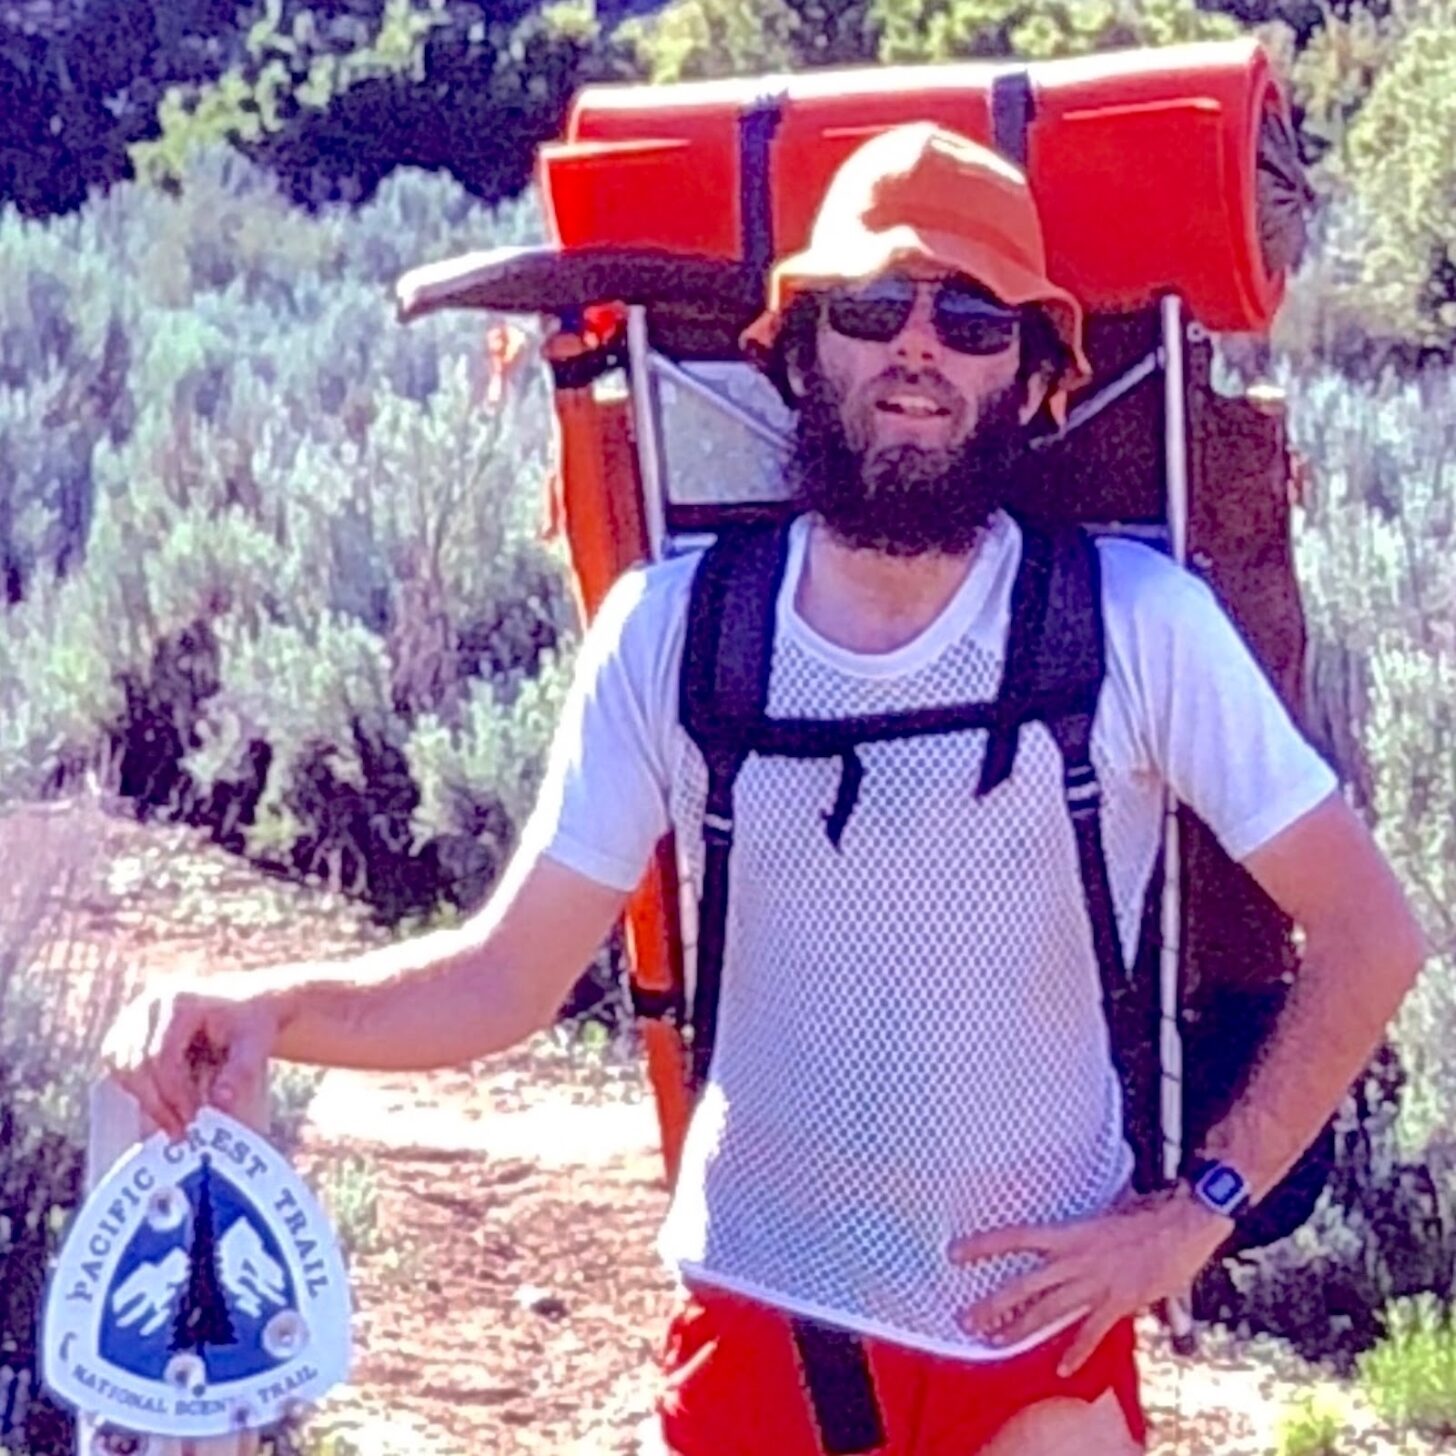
(200, 1292)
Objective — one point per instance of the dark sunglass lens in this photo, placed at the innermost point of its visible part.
(876, 312)
(972, 323)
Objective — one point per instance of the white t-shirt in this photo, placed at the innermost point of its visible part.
(911, 1045)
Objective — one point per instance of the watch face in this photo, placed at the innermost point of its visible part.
(1222, 1186)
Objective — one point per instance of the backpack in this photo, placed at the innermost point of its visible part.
(1053, 675)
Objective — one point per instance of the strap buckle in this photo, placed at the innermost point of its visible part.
(718, 829)
(650, 1005)
(1082, 791)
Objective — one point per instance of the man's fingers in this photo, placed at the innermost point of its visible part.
(1096, 1328)
(170, 1062)
(983, 1317)
(177, 1049)
(126, 1058)
(1014, 1239)
(1048, 1309)
(155, 1107)
(242, 1069)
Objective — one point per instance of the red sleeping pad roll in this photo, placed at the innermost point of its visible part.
(1155, 171)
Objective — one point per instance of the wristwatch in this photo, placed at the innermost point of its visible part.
(1220, 1188)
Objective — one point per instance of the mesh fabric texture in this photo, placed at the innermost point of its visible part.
(911, 1045)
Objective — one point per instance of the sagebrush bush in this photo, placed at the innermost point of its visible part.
(60, 989)
(289, 537)
(1374, 548)
(1373, 541)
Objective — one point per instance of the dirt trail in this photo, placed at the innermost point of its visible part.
(516, 1299)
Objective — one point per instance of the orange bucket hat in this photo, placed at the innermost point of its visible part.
(918, 194)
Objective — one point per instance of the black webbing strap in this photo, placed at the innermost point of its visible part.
(1074, 647)
(841, 1388)
(1071, 651)
(723, 769)
(756, 128)
(722, 695)
(583, 369)
(1083, 796)
(1029, 596)
(1131, 1018)
(1013, 107)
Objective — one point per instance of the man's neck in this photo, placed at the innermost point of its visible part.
(870, 602)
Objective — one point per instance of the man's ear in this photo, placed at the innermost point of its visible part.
(795, 368)
(1038, 386)
(793, 374)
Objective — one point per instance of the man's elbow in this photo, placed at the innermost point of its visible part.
(1409, 951)
(1384, 949)
(1327, 873)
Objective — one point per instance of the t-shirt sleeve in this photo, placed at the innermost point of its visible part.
(603, 803)
(1210, 723)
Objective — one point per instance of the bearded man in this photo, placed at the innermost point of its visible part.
(908, 1166)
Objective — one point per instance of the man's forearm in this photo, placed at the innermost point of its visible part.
(1349, 987)
(433, 1001)
(443, 999)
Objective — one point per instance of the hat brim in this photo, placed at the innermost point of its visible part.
(851, 260)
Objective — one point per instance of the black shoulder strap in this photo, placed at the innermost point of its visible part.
(1072, 656)
(1066, 654)
(730, 633)
(1056, 656)
(1054, 649)
(727, 658)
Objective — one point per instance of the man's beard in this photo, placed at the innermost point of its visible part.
(904, 500)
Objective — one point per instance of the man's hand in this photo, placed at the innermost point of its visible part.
(1106, 1268)
(178, 1047)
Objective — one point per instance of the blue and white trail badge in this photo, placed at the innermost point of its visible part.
(200, 1292)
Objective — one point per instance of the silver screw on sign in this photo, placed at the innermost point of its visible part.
(285, 1334)
(166, 1210)
(187, 1372)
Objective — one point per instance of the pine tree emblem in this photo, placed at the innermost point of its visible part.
(202, 1317)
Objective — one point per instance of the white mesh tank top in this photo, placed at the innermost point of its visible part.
(910, 1045)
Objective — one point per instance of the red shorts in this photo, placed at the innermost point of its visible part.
(734, 1388)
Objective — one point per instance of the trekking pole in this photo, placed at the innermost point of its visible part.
(1178, 1317)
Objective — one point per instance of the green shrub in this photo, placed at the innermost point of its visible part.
(349, 1192)
(1380, 108)
(930, 30)
(1313, 1425)
(291, 1090)
(332, 99)
(1410, 1376)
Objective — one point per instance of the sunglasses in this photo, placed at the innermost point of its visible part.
(966, 318)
